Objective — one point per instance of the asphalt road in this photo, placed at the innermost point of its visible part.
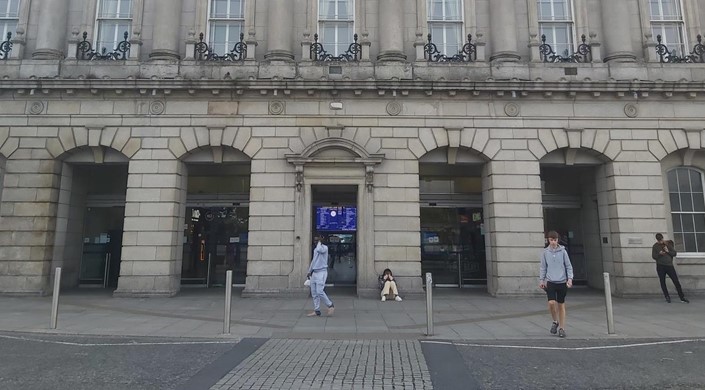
(568, 364)
(46, 361)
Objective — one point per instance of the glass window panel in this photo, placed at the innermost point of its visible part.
(115, 9)
(110, 32)
(452, 10)
(9, 8)
(671, 9)
(446, 36)
(698, 202)
(7, 26)
(683, 180)
(699, 223)
(227, 9)
(677, 225)
(675, 201)
(672, 180)
(700, 241)
(345, 10)
(689, 242)
(688, 223)
(655, 9)
(545, 10)
(696, 181)
(686, 202)
(449, 10)
(224, 36)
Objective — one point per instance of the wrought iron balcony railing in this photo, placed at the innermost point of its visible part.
(467, 54)
(668, 56)
(583, 54)
(84, 50)
(6, 47)
(318, 53)
(202, 52)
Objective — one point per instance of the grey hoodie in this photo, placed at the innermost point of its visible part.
(555, 265)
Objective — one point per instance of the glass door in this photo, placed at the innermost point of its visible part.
(215, 241)
(342, 258)
(453, 246)
(102, 246)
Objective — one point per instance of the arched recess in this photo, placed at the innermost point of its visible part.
(327, 166)
(575, 196)
(215, 207)
(90, 213)
(218, 140)
(452, 216)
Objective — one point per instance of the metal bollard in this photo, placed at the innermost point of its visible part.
(228, 301)
(608, 303)
(429, 304)
(55, 298)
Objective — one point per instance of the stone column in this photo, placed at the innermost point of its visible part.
(165, 44)
(617, 32)
(152, 243)
(28, 212)
(391, 30)
(513, 224)
(503, 35)
(51, 33)
(280, 29)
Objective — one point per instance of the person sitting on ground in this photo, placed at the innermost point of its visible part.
(386, 281)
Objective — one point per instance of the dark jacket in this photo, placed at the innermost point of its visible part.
(663, 258)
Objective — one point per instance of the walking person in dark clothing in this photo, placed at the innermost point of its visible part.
(663, 252)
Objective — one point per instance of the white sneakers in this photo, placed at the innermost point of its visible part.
(397, 298)
(384, 298)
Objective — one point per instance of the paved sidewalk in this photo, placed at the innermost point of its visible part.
(458, 315)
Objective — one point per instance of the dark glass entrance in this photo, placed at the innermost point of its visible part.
(215, 240)
(102, 245)
(567, 222)
(453, 246)
(335, 217)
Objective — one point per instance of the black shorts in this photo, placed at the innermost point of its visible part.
(556, 291)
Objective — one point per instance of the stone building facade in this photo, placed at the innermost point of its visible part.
(156, 164)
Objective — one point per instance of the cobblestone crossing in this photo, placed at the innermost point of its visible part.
(331, 364)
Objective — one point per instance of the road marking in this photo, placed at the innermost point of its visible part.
(565, 348)
(129, 344)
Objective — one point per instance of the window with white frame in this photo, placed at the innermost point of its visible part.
(556, 23)
(9, 16)
(685, 190)
(114, 19)
(226, 20)
(336, 25)
(667, 21)
(445, 24)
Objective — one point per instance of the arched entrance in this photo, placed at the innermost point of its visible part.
(90, 217)
(573, 188)
(216, 217)
(452, 218)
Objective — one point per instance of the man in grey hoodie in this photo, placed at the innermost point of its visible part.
(556, 276)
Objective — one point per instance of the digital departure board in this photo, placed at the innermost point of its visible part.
(336, 218)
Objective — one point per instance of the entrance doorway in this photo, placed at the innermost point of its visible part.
(335, 217)
(453, 246)
(215, 241)
(570, 207)
(102, 245)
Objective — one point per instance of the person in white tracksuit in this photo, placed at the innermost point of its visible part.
(317, 273)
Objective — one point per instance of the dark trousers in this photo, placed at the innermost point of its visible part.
(669, 270)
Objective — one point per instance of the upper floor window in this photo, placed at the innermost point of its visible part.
(445, 23)
(114, 19)
(685, 191)
(9, 16)
(556, 23)
(336, 19)
(667, 21)
(226, 20)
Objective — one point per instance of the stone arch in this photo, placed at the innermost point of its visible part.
(597, 141)
(93, 144)
(217, 138)
(671, 141)
(475, 141)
